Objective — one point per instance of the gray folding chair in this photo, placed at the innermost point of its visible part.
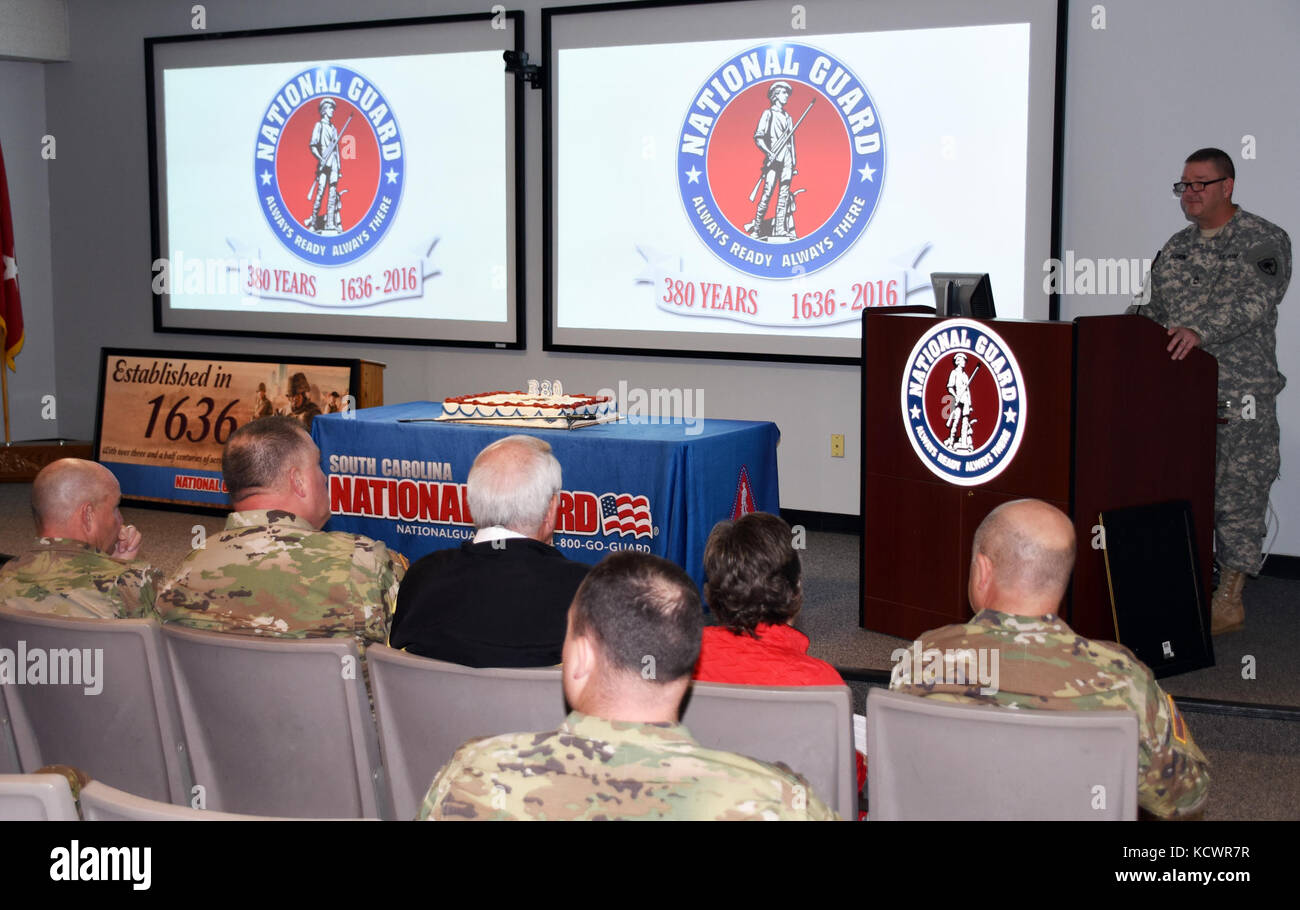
(102, 803)
(36, 798)
(278, 726)
(807, 728)
(935, 760)
(9, 763)
(427, 709)
(128, 733)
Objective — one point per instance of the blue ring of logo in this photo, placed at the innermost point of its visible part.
(359, 241)
(800, 60)
(992, 458)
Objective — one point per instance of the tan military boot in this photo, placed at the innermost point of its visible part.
(1227, 612)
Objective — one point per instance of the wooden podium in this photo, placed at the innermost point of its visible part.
(1110, 422)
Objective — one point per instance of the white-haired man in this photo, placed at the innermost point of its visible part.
(501, 599)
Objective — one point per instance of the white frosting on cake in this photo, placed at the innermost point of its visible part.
(522, 406)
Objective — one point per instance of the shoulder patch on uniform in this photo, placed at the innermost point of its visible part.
(1177, 725)
(1266, 257)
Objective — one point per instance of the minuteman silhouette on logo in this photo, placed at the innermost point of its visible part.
(774, 136)
(325, 147)
(959, 419)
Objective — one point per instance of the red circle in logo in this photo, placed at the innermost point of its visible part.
(359, 162)
(986, 404)
(822, 156)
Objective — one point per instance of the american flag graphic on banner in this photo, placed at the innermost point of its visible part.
(625, 514)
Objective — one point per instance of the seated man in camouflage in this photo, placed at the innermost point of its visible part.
(83, 563)
(272, 571)
(1022, 557)
(633, 639)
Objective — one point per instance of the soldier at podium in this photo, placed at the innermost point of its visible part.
(1217, 284)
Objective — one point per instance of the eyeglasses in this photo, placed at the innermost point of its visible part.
(1194, 185)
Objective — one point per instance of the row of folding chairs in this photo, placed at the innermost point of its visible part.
(48, 797)
(283, 727)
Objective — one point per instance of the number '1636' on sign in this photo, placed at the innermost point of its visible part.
(180, 421)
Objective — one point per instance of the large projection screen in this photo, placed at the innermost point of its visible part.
(742, 179)
(348, 181)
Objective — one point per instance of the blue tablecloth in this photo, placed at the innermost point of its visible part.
(657, 487)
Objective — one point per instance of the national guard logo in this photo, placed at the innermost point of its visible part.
(963, 402)
(328, 165)
(781, 160)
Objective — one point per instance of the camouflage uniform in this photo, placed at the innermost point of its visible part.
(1227, 289)
(72, 578)
(596, 769)
(1043, 663)
(272, 573)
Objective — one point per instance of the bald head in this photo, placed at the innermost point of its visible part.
(1021, 558)
(513, 484)
(77, 500)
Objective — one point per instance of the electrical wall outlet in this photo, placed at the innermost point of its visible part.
(837, 445)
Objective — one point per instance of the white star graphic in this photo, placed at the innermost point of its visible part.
(266, 178)
(868, 172)
(693, 176)
(391, 175)
(11, 268)
(1010, 415)
(916, 413)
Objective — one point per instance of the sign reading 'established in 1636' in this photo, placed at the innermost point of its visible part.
(164, 417)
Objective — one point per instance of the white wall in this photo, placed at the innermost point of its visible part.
(1162, 78)
(33, 29)
(22, 124)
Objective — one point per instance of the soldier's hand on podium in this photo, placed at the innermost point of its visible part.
(1182, 341)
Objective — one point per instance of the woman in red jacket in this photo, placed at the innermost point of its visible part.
(755, 591)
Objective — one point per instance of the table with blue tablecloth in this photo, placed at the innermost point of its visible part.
(648, 484)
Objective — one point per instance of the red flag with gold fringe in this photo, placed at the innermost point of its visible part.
(11, 307)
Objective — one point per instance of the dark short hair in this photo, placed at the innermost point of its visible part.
(258, 454)
(637, 606)
(753, 573)
(1218, 157)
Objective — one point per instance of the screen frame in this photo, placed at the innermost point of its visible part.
(515, 240)
(721, 350)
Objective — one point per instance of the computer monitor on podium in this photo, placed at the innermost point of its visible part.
(963, 294)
